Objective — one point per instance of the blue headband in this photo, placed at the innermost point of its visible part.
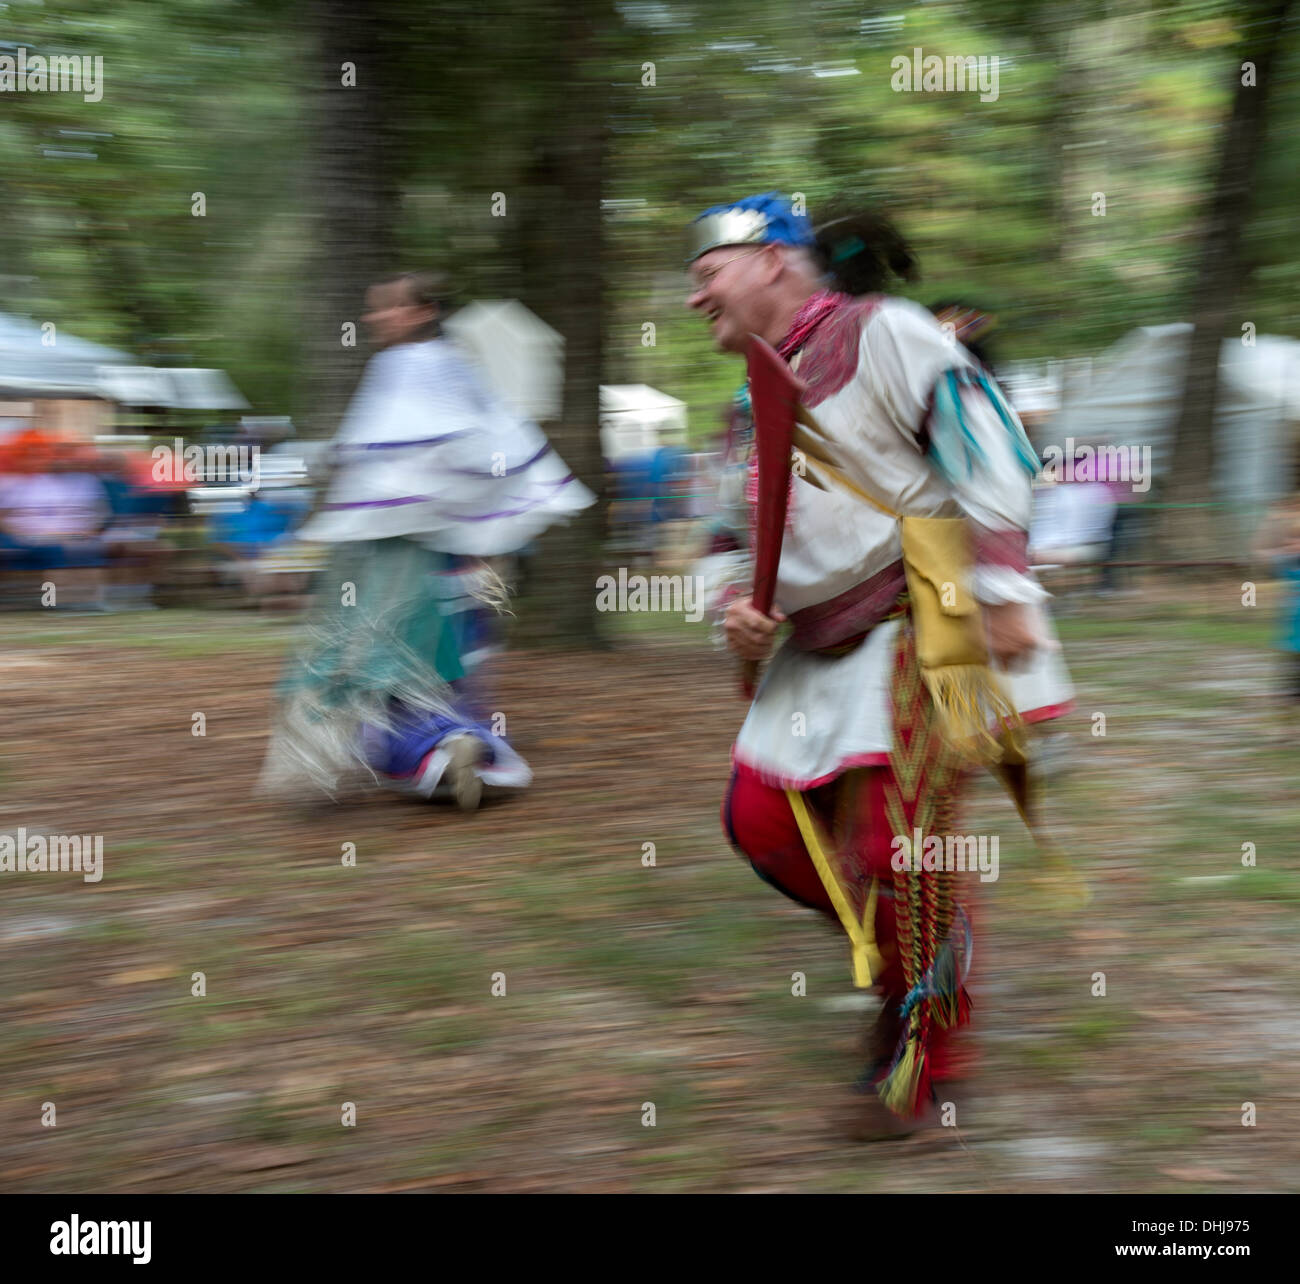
(767, 219)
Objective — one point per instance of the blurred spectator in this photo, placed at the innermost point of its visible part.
(649, 500)
(53, 511)
(724, 564)
(1126, 525)
(1072, 523)
(1279, 542)
(244, 544)
(133, 539)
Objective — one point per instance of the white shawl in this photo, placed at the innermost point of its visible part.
(426, 451)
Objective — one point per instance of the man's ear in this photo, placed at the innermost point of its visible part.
(774, 263)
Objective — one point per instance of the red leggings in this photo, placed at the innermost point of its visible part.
(761, 826)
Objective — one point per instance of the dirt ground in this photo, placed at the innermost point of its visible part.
(625, 983)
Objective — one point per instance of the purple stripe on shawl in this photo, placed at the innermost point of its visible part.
(511, 512)
(377, 503)
(431, 499)
(398, 445)
(509, 472)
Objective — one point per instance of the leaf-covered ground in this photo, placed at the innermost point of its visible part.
(625, 983)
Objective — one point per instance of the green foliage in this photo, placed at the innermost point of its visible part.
(997, 196)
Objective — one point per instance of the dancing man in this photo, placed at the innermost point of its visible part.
(882, 695)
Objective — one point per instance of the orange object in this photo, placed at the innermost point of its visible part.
(29, 453)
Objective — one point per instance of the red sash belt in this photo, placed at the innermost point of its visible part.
(841, 623)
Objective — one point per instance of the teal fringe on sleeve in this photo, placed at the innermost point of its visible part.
(953, 447)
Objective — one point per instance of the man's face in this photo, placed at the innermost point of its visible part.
(726, 285)
(390, 316)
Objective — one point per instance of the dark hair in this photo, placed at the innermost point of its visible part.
(425, 289)
(861, 252)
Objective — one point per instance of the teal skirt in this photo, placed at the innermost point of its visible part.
(377, 641)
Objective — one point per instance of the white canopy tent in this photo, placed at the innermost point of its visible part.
(58, 365)
(175, 388)
(1134, 394)
(51, 364)
(636, 419)
(1032, 388)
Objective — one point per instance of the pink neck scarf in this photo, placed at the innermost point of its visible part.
(814, 311)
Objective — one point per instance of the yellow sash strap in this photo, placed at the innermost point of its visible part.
(837, 475)
(867, 959)
(1065, 884)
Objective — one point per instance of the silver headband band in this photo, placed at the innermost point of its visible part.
(727, 227)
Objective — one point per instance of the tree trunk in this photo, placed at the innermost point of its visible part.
(562, 242)
(1217, 288)
(353, 199)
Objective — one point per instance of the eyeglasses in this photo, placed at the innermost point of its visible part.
(698, 280)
